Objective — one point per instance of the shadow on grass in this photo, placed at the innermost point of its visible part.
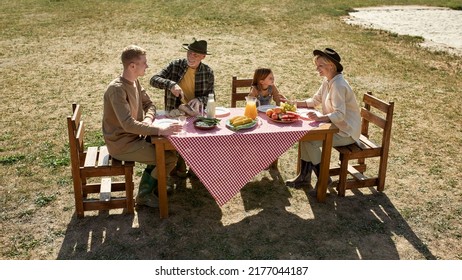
(355, 227)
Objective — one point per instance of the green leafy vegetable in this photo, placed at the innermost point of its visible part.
(209, 121)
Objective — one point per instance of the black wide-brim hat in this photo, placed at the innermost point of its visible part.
(332, 56)
(197, 47)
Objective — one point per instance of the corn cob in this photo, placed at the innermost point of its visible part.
(235, 119)
(243, 121)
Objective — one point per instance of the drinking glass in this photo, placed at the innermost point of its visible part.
(202, 112)
(182, 122)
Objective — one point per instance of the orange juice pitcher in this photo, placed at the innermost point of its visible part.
(251, 107)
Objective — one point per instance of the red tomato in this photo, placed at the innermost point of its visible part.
(277, 110)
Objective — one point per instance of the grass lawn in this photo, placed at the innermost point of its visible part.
(56, 52)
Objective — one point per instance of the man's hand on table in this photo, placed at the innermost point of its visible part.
(172, 129)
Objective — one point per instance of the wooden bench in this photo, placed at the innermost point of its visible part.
(96, 162)
(380, 114)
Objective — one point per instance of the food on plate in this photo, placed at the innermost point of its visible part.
(188, 110)
(288, 117)
(288, 107)
(277, 110)
(173, 113)
(208, 121)
(239, 120)
(285, 113)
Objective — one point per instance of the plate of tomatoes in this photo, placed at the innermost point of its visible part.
(281, 116)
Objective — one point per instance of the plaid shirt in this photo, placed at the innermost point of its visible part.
(174, 72)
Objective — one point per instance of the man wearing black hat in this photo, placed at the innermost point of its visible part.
(187, 80)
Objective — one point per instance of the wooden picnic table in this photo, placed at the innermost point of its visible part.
(225, 160)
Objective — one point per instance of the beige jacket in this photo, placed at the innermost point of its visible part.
(126, 105)
(339, 103)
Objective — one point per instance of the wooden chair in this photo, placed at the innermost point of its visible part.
(376, 116)
(240, 88)
(96, 162)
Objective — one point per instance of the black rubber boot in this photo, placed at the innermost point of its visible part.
(303, 178)
(145, 195)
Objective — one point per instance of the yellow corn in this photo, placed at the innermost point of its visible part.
(243, 121)
(235, 119)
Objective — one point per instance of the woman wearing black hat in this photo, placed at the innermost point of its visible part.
(338, 105)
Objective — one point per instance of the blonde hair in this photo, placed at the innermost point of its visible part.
(130, 54)
(325, 60)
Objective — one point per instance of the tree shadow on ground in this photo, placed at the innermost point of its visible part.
(358, 226)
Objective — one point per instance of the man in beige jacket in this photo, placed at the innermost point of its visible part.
(128, 116)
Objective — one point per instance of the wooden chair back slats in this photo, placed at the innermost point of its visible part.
(76, 117)
(96, 162)
(75, 163)
(375, 102)
(79, 136)
(240, 88)
(371, 117)
(366, 148)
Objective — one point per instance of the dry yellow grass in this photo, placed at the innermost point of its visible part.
(53, 53)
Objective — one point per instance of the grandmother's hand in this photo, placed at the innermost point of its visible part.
(317, 116)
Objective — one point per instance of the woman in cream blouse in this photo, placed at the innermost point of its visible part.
(338, 105)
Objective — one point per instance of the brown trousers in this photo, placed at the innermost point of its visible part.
(145, 152)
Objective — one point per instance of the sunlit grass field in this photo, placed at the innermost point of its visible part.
(54, 53)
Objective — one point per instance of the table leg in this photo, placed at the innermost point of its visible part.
(161, 180)
(324, 172)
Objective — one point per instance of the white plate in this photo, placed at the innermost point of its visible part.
(221, 112)
(263, 108)
(241, 127)
(164, 123)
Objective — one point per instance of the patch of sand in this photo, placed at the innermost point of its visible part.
(440, 27)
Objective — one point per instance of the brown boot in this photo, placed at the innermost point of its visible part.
(317, 170)
(303, 178)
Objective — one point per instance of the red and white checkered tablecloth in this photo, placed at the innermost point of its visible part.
(226, 160)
